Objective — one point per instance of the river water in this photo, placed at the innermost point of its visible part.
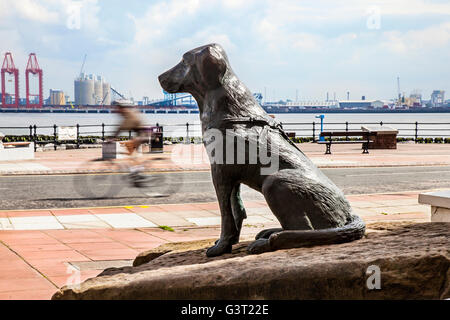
(430, 124)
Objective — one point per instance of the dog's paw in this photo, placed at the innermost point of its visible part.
(219, 248)
(259, 246)
(265, 234)
(232, 241)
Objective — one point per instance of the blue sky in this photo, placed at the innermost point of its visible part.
(274, 46)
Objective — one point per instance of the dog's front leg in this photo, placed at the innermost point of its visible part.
(229, 232)
(238, 210)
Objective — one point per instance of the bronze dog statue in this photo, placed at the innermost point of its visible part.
(311, 209)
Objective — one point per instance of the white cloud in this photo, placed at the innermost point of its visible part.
(412, 7)
(31, 10)
(284, 38)
(159, 17)
(208, 35)
(49, 12)
(437, 36)
(307, 41)
(239, 4)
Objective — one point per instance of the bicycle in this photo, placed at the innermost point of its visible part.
(105, 178)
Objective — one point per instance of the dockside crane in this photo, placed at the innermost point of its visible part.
(116, 92)
(9, 67)
(33, 68)
(82, 65)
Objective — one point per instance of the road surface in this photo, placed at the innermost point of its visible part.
(67, 191)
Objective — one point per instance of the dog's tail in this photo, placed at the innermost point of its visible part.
(287, 239)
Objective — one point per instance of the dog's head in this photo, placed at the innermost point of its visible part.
(200, 70)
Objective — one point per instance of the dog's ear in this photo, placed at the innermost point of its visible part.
(213, 66)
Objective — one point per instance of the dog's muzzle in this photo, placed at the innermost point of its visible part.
(172, 80)
(167, 85)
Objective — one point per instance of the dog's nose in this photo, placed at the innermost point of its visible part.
(162, 78)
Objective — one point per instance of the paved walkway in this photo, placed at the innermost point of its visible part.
(41, 250)
(371, 207)
(193, 157)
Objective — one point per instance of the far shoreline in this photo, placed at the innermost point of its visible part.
(195, 111)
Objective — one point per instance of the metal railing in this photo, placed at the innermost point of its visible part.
(412, 130)
(192, 131)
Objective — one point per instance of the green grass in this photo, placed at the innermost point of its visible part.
(166, 228)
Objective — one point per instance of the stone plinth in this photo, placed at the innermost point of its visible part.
(384, 137)
(13, 151)
(440, 205)
(413, 259)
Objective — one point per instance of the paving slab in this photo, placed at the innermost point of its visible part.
(5, 224)
(195, 214)
(125, 220)
(35, 223)
(208, 221)
(165, 219)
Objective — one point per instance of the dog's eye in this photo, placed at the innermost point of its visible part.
(187, 58)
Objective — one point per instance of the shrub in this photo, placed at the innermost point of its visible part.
(403, 139)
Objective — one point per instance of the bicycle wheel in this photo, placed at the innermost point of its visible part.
(99, 179)
(153, 183)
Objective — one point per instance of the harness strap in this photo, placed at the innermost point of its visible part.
(257, 121)
(260, 121)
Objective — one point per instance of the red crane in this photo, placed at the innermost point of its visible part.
(33, 68)
(9, 67)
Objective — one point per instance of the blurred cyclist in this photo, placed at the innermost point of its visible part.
(132, 121)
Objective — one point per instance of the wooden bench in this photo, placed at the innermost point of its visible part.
(16, 144)
(366, 136)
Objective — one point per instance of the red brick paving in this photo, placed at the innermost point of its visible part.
(26, 256)
(34, 263)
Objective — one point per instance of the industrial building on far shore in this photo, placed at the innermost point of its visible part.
(92, 93)
(92, 90)
(57, 97)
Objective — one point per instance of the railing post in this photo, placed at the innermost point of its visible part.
(54, 136)
(314, 131)
(161, 129)
(158, 130)
(31, 132)
(416, 130)
(103, 132)
(129, 135)
(35, 138)
(381, 123)
(78, 136)
(187, 133)
(346, 130)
